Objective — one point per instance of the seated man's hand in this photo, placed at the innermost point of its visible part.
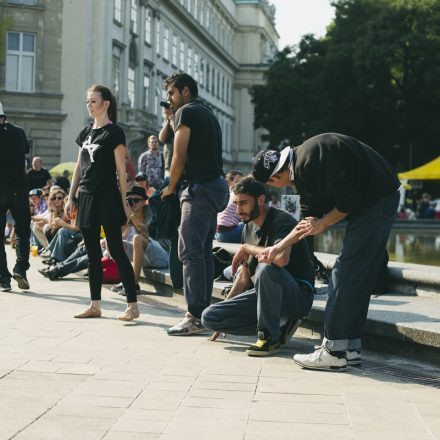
(240, 257)
(214, 336)
(166, 192)
(268, 255)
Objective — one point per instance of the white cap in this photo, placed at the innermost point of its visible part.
(2, 113)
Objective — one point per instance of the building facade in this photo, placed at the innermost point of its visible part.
(30, 72)
(132, 46)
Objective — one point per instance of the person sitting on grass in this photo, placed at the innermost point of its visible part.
(267, 299)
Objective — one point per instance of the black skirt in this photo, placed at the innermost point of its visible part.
(100, 209)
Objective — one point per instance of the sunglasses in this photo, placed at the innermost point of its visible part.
(132, 202)
(57, 198)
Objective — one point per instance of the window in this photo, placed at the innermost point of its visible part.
(131, 86)
(147, 35)
(158, 37)
(117, 10)
(202, 14)
(196, 9)
(223, 89)
(166, 43)
(146, 90)
(227, 92)
(196, 66)
(218, 85)
(20, 62)
(189, 62)
(208, 78)
(116, 73)
(174, 51)
(208, 17)
(182, 55)
(202, 72)
(213, 81)
(133, 16)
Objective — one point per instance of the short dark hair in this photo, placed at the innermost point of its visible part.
(182, 80)
(250, 186)
(232, 174)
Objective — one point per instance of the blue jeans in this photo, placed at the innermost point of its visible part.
(200, 204)
(64, 243)
(75, 262)
(355, 273)
(276, 295)
(232, 235)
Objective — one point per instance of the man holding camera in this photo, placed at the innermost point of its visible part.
(197, 173)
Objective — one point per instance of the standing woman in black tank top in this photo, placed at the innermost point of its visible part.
(101, 201)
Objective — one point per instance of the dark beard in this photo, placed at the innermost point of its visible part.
(253, 214)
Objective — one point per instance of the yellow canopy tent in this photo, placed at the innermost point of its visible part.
(429, 171)
(59, 169)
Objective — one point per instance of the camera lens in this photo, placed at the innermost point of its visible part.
(165, 104)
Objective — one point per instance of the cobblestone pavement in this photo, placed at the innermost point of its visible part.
(62, 378)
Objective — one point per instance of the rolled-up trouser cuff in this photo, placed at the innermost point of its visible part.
(354, 344)
(335, 345)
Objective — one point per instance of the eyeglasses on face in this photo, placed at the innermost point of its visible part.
(57, 198)
(134, 201)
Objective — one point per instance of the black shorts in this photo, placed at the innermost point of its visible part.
(100, 209)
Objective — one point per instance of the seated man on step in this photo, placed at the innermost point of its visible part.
(282, 292)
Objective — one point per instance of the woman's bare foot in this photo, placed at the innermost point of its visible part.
(90, 312)
(130, 313)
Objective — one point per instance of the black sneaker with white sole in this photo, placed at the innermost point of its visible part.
(22, 281)
(5, 284)
(264, 346)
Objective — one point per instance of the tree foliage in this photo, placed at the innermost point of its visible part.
(375, 76)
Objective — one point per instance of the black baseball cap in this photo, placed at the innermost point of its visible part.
(137, 191)
(141, 176)
(266, 163)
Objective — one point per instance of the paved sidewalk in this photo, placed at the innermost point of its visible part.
(62, 378)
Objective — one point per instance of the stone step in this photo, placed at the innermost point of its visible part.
(399, 324)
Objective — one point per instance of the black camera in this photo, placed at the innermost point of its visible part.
(165, 104)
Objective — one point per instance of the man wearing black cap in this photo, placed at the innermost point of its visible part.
(197, 160)
(141, 180)
(338, 177)
(13, 196)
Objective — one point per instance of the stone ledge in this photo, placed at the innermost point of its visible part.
(404, 278)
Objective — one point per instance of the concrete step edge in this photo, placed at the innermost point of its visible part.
(409, 334)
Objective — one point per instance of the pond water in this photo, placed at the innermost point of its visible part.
(421, 246)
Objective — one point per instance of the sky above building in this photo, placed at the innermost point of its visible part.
(294, 18)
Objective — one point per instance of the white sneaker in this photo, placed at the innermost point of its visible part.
(321, 359)
(186, 327)
(353, 358)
